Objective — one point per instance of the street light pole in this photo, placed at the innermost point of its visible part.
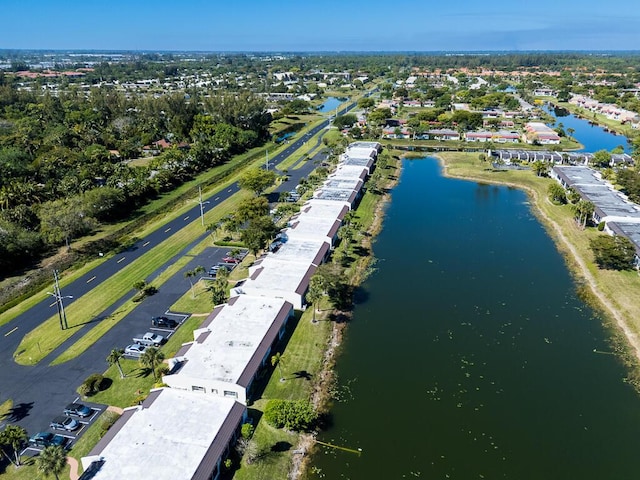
(267, 159)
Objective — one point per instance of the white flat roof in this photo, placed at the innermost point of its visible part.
(236, 332)
(362, 152)
(301, 250)
(350, 171)
(336, 194)
(168, 440)
(350, 183)
(316, 208)
(312, 228)
(278, 275)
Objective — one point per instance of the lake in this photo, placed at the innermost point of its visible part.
(470, 355)
(593, 137)
(330, 104)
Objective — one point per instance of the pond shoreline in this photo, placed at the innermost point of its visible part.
(575, 262)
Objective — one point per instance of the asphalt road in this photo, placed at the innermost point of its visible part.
(40, 392)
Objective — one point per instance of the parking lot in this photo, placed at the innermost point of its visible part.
(40, 393)
(33, 448)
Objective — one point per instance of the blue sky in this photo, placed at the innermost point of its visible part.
(330, 25)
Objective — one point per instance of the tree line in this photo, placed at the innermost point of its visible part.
(63, 159)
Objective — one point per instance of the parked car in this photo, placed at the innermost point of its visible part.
(230, 260)
(213, 271)
(149, 339)
(163, 322)
(135, 350)
(77, 409)
(65, 423)
(47, 439)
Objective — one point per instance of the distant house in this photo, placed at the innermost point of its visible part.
(443, 134)
(541, 133)
(498, 137)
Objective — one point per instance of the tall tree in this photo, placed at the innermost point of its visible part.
(257, 180)
(190, 274)
(276, 361)
(13, 437)
(114, 359)
(52, 461)
(151, 358)
(583, 210)
(317, 289)
(258, 233)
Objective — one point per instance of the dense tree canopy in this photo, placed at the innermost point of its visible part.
(613, 252)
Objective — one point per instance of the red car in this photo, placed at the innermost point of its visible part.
(230, 260)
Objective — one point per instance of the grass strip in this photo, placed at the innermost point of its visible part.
(45, 338)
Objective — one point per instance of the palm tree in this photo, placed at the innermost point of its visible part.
(13, 436)
(193, 273)
(114, 359)
(317, 288)
(276, 361)
(151, 358)
(52, 460)
(583, 210)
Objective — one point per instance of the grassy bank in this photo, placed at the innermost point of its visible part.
(615, 293)
(309, 355)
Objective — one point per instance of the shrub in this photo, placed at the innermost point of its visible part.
(247, 430)
(296, 415)
(107, 419)
(601, 226)
(92, 385)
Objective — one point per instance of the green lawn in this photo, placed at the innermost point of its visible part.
(46, 337)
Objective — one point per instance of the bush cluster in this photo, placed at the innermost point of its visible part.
(296, 415)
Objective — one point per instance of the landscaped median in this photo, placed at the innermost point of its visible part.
(41, 341)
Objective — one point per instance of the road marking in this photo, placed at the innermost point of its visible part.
(52, 304)
(167, 230)
(121, 260)
(217, 198)
(145, 244)
(229, 190)
(186, 218)
(91, 279)
(10, 331)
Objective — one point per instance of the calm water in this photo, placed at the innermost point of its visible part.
(593, 137)
(330, 104)
(471, 356)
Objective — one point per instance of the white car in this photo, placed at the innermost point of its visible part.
(135, 350)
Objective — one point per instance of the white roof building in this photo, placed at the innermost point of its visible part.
(279, 279)
(173, 435)
(231, 346)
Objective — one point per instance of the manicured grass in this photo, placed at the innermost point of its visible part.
(202, 303)
(45, 338)
(123, 392)
(26, 471)
(272, 463)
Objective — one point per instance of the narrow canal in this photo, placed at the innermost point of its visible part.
(470, 355)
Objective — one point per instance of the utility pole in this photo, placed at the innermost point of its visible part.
(59, 303)
(267, 159)
(201, 205)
